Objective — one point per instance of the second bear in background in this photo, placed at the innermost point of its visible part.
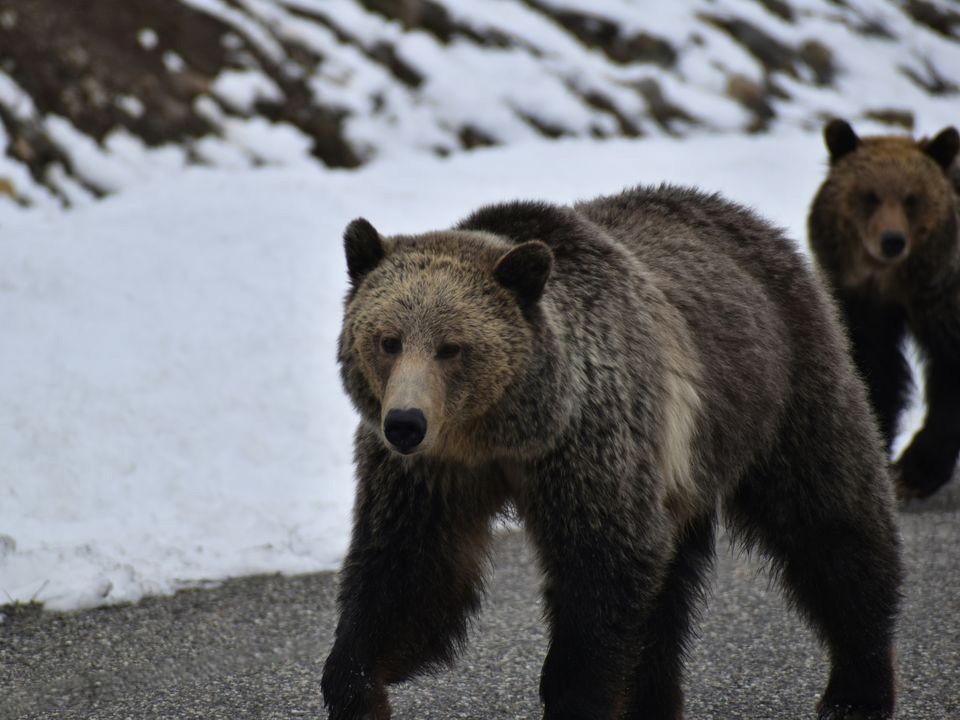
(884, 229)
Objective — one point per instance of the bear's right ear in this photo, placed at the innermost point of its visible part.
(944, 147)
(524, 270)
(363, 248)
(840, 138)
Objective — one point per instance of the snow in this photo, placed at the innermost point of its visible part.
(172, 413)
(130, 105)
(251, 141)
(147, 38)
(15, 99)
(242, 88)
(173, 62)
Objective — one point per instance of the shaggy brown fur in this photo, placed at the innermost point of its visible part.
(883, 227)
(614, 371)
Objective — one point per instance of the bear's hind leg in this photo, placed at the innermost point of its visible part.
(930, 460)
(825, 520)
(656, 692)
(821, 507)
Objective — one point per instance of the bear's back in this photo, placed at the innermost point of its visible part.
(728, 285)
(689, 238)
(761, 321)
(740, 284)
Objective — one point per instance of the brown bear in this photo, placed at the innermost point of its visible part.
(613, 373)
(883, 228)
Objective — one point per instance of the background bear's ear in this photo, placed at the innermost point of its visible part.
(524, 270)
(363, 248)
(943, 148)
(840, 138)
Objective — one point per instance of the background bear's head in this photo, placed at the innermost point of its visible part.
(435, 329)
(889, 195)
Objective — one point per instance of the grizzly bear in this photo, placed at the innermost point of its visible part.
(883, 228)
(611, 373)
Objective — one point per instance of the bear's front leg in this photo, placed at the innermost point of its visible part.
(603, 554)
(931, 458)
(876, 334)
(350, 689)
(410, 580)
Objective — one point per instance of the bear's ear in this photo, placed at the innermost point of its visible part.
(363, 248)
(943, 148)
(840, 138)
(524, 270)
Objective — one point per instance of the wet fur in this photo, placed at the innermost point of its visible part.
(881, 303)
(681, 357)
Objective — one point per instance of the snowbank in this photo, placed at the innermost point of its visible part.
(171, 409)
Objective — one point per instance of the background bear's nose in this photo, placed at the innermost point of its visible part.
(405, 429)
(892, 244)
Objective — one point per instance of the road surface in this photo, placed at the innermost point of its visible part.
(254, 647)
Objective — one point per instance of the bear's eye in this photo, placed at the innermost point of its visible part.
(447, 351)
(390, 345)
(871, 199)
(911, 202)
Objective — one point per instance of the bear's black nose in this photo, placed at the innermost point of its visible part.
(405, 429)
(892, 244)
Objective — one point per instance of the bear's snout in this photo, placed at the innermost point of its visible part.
(892, 244)
(405, 429)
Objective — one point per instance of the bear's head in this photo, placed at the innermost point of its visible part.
(891, 193)
(436, 327)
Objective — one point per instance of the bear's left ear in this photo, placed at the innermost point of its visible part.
(840, 139)
(943, 148)
(363, 248)
(524, 270)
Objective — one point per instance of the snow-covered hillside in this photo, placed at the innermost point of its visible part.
(96, 97)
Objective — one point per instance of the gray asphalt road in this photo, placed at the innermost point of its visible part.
(253, 648)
